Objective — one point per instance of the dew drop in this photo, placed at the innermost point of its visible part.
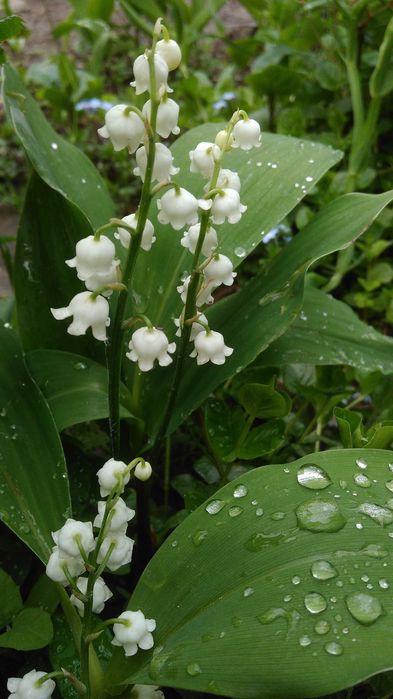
(259, 540)
(321, 627)
(235, 511)
(315, 603)
(296, 580)
(320, 516)
(248, 592)
(377, 513)
(389, 485)
(236, 621)
(323, 570)
(334, 648)
(361, 480)
(313, 477)
(287, 598)
(80, 366)
(199, 537)
(259, 511)
(364, 607)
(383, 584)
(54, 146)
(276, 516)
(309, 178)
(240, 491)
(304, 641)
(214, 506)
(193, 669)
(375, 551)
(240, 252)
(361, 463)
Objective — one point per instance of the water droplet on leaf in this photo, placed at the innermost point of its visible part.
(320, 516)
(315, 603)
(364, 607)
(313, 477)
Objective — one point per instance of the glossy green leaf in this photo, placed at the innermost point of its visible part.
(31, 629)
(260, 312)
(11, 27)
(264, 401)
(328, 332)
(380, 435)
(10, 599)
(262, 440)
(350, 427)
(75, 387)
(224, 426)
(49, 229)
(34, 495)
(288, 567)
(60, 164)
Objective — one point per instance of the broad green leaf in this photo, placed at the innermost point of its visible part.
(49, 229)
(328, 332)
(75, 387)
(264, 401)
(34, 495)
(283, 568)
(262, 440)
(60, 164)
(10, 599)
(44, 594)
(380, 436)
(31, 629)
(11, 27)
(258, 314)
(224, 426)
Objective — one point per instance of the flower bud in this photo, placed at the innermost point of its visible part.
(170, 51)
(222, 138)
(148, 237)
(87, 311)
(203, 158)
(219, 270)
(246, 134)
(143, 471)
(178, 207)
(147, 345)
(163, 166)
(167, 116)
(121, 553)
(209, 346)
(135, 633)
(190, 239)
(125, 129)
(227, 205)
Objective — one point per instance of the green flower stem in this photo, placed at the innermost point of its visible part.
(190, 306)
(117, 334)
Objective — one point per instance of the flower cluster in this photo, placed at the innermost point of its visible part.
(77, 550)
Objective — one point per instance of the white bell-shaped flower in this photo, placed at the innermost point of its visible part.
(147, 345)
(204, 295)
(142, 74)
(111, 474)
(101, 594)
(178, 207)
(125, 129)
(170, 51)
(228, 179)
(57, 563)
(246, 134)
(190, 239)
(209, 346)
(134, 631)
(93, 256)
(203, 158)
(30, 687)
(163, 166)
(121, 553)
(167, 116)
(88, 311)
(143, 471)
(100, 279)
(72, 533)
(146, 691)
(219, 270)
(195, 328)
(119, 517)
(227, 205)
(223, 141)
(148, 237)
